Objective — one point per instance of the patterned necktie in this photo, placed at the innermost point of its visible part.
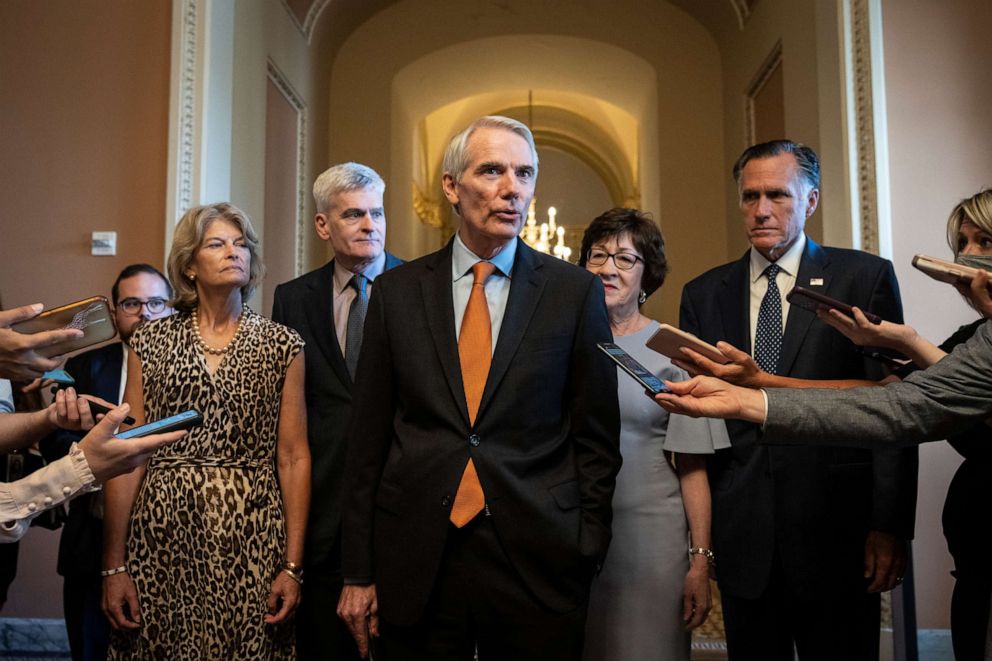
(356, 322)
(475, 353)
(768, 336)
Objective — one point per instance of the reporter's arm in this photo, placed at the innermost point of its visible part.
(23, 500)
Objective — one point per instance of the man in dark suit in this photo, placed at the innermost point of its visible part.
(140, 292)
(483, 449)
(805, 537)
(327, 310)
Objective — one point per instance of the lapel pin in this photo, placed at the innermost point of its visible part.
(816, 282)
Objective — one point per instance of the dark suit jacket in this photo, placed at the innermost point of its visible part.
(306, 305)
(545, 442)
(97, 372)
(811, 505)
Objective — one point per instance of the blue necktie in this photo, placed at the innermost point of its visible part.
(356, 322)
(768, 336)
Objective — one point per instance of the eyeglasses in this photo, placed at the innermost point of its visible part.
(623, 260)
(133, 305)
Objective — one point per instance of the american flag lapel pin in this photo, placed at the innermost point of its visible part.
(816, 282)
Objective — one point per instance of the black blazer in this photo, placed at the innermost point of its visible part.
(306, 305)
(545, 442)
(97, 372)
(816, 504)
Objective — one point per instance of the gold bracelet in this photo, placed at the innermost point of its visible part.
(706, 553)
(113, 572)
(292, 574)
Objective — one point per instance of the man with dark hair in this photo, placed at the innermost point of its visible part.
(805, 537)
(327, 308)
(140, 293)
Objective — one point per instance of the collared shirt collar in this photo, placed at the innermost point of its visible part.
(462, 259)
(342, 276)
(789, 262)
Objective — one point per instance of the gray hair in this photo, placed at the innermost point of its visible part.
(344, 177)
(456, 155)
(809, 164)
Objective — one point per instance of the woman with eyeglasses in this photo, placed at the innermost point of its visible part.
(654, 587)
(203, 545)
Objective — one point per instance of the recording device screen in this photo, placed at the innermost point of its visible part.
(184, 420)
(632, 367)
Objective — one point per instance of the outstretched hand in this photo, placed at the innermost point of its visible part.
(740, 371)
(705, 396)
(109, 456)
(19, 357)
(866, 334)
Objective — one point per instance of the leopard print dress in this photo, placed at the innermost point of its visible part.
(207, 534)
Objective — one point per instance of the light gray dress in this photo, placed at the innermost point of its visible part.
(635, 609)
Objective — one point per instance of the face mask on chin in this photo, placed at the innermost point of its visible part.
(975, 261)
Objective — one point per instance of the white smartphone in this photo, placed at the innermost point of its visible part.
(668, 340)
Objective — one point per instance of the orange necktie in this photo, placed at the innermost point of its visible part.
(475, 352)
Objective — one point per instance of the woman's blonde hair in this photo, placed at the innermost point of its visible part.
(186, 241)
(976, 209)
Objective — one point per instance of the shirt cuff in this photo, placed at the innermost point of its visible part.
(764, 418)
(81, 469)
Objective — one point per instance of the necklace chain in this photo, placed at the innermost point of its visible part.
(214, 350)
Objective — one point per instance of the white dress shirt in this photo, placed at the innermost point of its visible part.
(786, 280)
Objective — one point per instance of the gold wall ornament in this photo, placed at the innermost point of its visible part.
(428, 209)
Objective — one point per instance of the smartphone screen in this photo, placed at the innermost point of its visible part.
(184, 420)
(632, 367)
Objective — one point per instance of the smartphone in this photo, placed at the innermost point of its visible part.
(632, 367)
(91, 315)
(668, 340)
(940, 269)
(813, 301)
(184, 420)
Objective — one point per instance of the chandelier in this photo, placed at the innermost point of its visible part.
(540, 237)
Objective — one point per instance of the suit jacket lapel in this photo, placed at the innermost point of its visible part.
(812, 268)
(439, 310)
(526, 287)
(320, 315)
(735, 304)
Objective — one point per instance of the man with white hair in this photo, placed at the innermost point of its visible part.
(327, 308)
(483, 451)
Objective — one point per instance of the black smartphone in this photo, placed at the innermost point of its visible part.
(632, 367)
(813, 301)
(94, 407)
(184, 420)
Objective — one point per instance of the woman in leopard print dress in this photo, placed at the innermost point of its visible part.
(202, 545)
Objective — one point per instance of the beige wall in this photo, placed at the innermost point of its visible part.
(937, 57)
(83, 132)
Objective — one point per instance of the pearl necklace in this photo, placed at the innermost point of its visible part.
(224, 349)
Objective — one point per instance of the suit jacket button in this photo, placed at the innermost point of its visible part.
(474, 440)
(446, 500)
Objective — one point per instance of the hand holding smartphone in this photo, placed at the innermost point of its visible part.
(813, 301)
(627, 363)
(92, 316)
